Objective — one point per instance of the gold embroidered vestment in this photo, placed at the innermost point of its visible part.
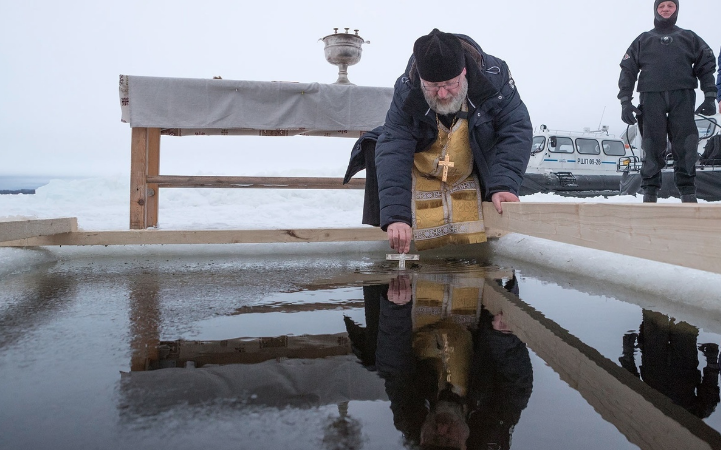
(446, 209)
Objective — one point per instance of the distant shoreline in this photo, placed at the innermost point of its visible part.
(16, 191)
(26, 184)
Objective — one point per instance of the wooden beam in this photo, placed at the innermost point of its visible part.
(153, 170)
(138, 182)
(646, 417)
(152, 236)
(257, 350)
(687, 235)
(180, 181)
(14, 229)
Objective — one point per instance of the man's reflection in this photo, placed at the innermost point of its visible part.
(669, 362)
(452, 382)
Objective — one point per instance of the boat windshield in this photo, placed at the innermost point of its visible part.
(588, 146)
(562, 145)
(614, 148)
(539, 143)
(706, 127)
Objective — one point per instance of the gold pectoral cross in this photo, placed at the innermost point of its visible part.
(446, 163)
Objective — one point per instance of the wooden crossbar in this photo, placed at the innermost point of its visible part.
(14, 229)
(154, 237)
(687, 235)
(682, 234)
(179, 181)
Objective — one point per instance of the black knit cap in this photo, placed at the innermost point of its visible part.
(439, 56)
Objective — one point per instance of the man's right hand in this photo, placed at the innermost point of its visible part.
(399, 236)
(629, 113)
(400, 290)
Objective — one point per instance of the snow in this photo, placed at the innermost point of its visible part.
(103, 204)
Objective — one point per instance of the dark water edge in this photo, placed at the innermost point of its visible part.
(24, 184)
(21, 184)
(16, 191)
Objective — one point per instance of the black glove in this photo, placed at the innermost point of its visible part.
(707, 108)
(629, 113)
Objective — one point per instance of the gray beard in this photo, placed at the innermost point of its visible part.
(453, 106)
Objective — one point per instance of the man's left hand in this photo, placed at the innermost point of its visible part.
(500, 197)
(707, 108)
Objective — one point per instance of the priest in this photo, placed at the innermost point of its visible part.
(457, 133)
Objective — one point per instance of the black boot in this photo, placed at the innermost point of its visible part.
(688, 198)
(627, 359)
(650, 198)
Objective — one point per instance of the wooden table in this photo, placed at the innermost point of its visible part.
(155, 107)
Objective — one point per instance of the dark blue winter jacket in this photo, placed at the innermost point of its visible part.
(718, 79)
(499, 127)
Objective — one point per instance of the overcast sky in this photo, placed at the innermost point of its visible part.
(60, 62)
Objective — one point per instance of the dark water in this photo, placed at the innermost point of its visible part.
(28, 184)
(11, 184)
(344, 352)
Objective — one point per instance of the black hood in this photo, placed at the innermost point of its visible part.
(661, 23)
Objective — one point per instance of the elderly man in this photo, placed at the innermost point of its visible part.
(456, 134)
(671, 62)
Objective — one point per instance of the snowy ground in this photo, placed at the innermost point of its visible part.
(102, 204)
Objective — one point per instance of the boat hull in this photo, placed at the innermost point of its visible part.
(570, 184)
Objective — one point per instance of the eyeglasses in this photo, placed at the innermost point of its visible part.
(447, 86)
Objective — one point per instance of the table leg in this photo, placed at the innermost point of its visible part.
(138, 179)
(153, 170)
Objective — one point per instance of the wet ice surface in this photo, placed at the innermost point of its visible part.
(274, 363)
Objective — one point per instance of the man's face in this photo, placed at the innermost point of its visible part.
(445, 426)
(446, 97)
(666, 9)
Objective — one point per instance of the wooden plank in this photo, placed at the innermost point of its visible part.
(362, 279)
(646, 417)
(687, 235)
(14, 229)
(181, 181)
(153, 170)
(152, 236)
(138, 182)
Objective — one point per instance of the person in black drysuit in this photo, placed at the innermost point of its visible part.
(671, 61)
(669, 362)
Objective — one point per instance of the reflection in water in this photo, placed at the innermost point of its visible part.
(450, 349)
(454, 373)
(252, 374)
(44, 295)
(145, 320)
(669, 362)
(343, 433)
